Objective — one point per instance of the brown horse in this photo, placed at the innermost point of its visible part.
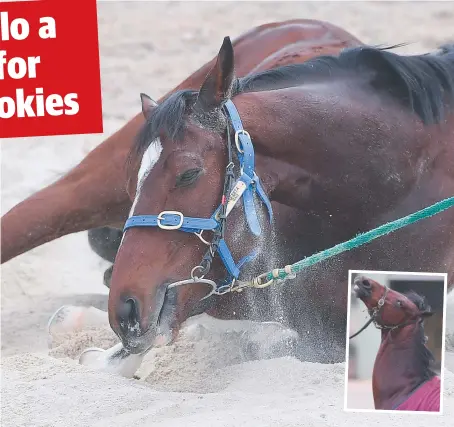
(402, 378)
(351, 141)
(95, 192)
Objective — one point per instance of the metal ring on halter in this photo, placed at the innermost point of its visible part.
(230, 165)
(212, 251)
(382, 300)
(169, 227)
(257, 282)
(199, 235)
(237, 141)
(197, 267)
(196, 280)
(214, 288)
(225, 289)
(238, 288)
(222, 290)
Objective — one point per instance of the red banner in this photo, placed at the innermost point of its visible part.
(49, 68)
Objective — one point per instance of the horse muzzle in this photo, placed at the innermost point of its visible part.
(362, 287)
(160, 328)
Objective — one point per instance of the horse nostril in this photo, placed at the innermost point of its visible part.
(366, 284)
(128, 314)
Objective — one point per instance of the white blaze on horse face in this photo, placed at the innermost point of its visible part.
(149, 159)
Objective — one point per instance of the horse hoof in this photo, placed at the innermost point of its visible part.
(70, 318)
(90, 356)
(285, 345)
(57, 318)
(270, 340)
(115, 360)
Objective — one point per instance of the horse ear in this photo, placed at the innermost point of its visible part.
(426, 309)
(218, 84)
(427, 313)
(147, 105)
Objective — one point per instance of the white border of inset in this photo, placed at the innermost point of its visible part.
(347, 350)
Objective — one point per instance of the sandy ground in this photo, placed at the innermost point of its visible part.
(151, 47)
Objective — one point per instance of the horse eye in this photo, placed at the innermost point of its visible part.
(399, 303)
(188, 177)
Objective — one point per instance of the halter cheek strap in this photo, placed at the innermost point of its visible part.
(246, 186)
(246, 157)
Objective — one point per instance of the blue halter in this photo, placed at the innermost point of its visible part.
(245, 187)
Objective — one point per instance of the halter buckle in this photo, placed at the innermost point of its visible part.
(237, 141)
(169, 227)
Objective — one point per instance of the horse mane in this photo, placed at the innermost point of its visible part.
(418, 300)
(422, 83)
(423, 356)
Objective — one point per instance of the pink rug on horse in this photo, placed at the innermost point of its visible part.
(425, 398)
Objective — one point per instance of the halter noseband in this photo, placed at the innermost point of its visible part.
(246, 186)
(374, 312)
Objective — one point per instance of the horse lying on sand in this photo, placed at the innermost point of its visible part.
(402, 378)
(95, 193)
(350, 141)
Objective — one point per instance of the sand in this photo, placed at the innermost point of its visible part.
(202, 380)
(40, 391)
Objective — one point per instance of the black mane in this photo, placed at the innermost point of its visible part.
(418, 300)
(422, 83)
(423, 356)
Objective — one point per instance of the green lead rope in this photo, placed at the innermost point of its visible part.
(359, 240)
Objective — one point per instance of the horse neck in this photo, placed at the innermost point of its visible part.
(397, 369)
(299, 132)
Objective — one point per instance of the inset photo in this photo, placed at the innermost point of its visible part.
(395, 341)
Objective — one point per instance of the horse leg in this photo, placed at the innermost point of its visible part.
(68, 209)
(317, 315)
(92, 194)
(262, 336)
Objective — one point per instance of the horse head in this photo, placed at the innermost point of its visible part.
(390, 309)
(199, 205)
